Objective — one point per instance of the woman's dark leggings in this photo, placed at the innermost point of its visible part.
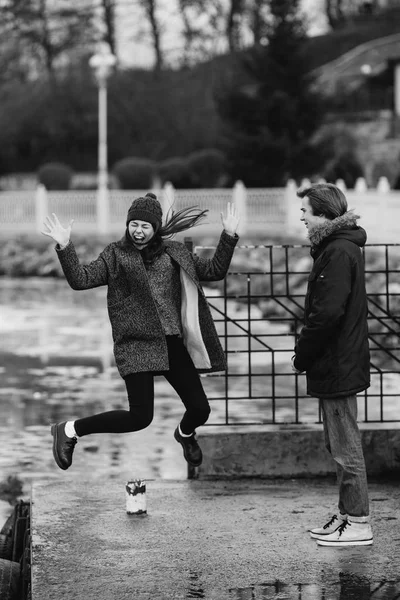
(183, 377)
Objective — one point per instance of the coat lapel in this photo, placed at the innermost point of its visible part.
(190, 286)
(183, 259)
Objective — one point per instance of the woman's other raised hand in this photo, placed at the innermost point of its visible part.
(230, 222)
(55, 230)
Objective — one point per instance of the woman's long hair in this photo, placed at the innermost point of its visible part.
(176, 222)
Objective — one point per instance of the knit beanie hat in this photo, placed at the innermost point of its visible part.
(146, 208)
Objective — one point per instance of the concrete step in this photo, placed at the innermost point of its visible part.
(271, 451)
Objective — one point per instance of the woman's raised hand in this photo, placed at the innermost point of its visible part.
(56, 231)
(230, 222)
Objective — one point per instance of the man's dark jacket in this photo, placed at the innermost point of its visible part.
(333, 344)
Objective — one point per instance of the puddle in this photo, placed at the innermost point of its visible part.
(350, 587)
(195, 589)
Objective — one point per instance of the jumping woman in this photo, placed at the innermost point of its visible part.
(160, 319)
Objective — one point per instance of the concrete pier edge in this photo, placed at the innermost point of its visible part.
(290, 451)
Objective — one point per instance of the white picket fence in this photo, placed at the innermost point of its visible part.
(262, 210)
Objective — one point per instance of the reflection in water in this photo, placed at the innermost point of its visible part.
(195, 590)
(57, 364)
(354, 587)
(350, 587)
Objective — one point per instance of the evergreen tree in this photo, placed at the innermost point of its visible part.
(267, 123)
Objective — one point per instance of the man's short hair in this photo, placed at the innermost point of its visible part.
(325, 199)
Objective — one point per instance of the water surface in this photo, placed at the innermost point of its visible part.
(56, 364)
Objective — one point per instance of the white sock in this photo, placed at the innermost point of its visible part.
(183, 434)
(360, 520)
(69, 429)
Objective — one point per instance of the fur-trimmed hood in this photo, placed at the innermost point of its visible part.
(345, 225)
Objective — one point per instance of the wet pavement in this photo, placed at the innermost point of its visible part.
(225, 540)
(232, 540)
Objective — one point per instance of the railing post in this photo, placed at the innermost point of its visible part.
(361, 185)
(239, 198)
(292, 209)
(41, 206)
(305, 183)
(383, 214)
(168, 197)
(397, 89)
(341, 184)
(103, 209)
(383, 185)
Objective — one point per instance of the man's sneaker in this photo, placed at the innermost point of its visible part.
(63, 446)
(349, 533)
(329, 527)
(191, 449)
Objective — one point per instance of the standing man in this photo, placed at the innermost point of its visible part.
(333, 351)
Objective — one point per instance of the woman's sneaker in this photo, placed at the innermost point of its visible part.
(329, 527)
(349, 533)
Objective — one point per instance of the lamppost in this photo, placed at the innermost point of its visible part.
(102, 63)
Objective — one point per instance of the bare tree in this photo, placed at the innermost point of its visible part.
(233, 24)
(258, 11)
(108, 10)
(190, 33)
(150, 8)
(46, 30)
(335, 13)
(201, 27)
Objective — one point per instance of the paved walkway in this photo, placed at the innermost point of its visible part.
(217, 540)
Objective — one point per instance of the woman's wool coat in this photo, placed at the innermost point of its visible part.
(333, 346)
(139, 339)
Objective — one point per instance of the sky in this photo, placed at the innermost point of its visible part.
(139, 53)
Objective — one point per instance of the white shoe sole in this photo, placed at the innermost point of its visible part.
(337, 544)
(321, 536)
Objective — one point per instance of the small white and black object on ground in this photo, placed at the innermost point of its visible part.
(136, 497)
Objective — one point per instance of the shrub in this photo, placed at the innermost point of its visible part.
(176, 171)
(207, 168)
(135, 173)
(345, 167)
(385, 168)
(89, 181)
(55, 176)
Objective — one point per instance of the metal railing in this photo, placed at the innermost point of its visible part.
(258, 311)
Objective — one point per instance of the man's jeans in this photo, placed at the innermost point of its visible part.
(343, 440)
